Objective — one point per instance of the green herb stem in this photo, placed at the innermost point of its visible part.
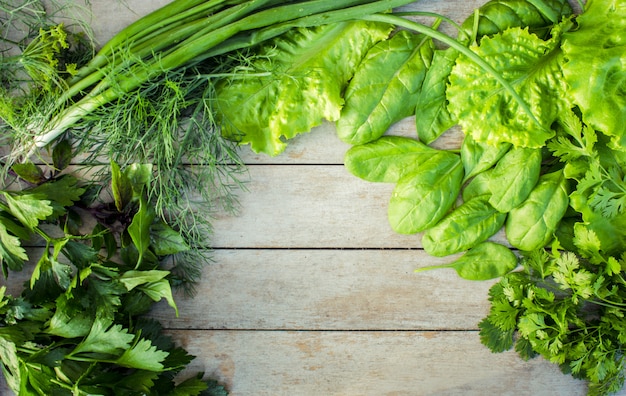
(156, 42)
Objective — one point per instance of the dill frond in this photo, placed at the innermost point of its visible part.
(169, 122)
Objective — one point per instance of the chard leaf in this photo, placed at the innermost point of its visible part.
(595, 69)
(432, 117)
(421, 199)
(514, 177)
(295, 83)
(388, 159)
(487, 260)
(531, 225)
(490, 113)
(385, 87)
(28, 208)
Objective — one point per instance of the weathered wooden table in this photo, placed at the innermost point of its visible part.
(312, 293)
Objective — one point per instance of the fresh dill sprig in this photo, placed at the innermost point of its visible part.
(169, 123)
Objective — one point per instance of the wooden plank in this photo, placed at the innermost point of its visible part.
(329, 363)
(319, 290)
(291, 206)
(328, 290)
(368, 363)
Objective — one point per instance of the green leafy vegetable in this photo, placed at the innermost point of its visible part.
(566, 309)
(487, 260)
(384, 87)
(466, 226)
(420, 199)
(432, 117)
(514, 177)
(594, 70)
(478, 157)
(297, 82)
(497, 16)
(531, 225)
(489, 113)
(387, 159)
(77, 327)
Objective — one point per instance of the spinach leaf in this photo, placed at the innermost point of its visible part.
(478, 157)
(487, 260)
(478, 185)
(387, 159)
(432, 117)
(466, 226)
(531, 225)
(421, 199)
(513, 177)
(384, 88)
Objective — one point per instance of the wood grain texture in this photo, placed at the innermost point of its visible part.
(314, 206)
(328, 290)
(311, 293)
(371, 363)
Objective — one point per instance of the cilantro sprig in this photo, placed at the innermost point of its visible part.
(567, 308)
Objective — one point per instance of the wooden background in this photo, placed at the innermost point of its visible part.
(312, 293)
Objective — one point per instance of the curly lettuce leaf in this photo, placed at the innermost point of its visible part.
(489, 112)
(385, 87)
(595, 70)
(294, 83)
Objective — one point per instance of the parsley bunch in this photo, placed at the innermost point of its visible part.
(78, 326)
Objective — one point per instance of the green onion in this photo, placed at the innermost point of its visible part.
(180, 35)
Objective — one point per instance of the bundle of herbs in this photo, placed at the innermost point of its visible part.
(146, 97)
(79, 325)
(148, 94)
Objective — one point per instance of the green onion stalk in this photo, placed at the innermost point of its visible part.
(176, 36)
